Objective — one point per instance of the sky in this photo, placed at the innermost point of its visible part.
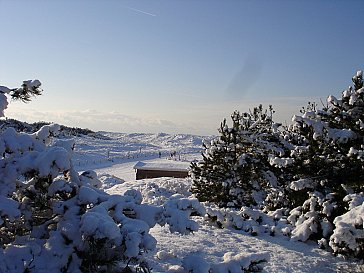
(176, 66)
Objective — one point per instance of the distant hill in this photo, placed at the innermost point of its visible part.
(22, 126)
(160, 139)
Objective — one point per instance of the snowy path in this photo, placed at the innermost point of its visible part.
(212, 243)
(124, 171)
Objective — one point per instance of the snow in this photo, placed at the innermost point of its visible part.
(31, 84)
(184, 239)
(3, 102)
(162, 165)
(301, 184)
(207, 246)
(341, 135)
(99, 223)
(213, 243)
(280, 162)
(332, 99)
(9, 207)
(354, 200)
(4, 89)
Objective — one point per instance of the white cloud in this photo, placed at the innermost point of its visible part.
(201, 119)
(100, 121)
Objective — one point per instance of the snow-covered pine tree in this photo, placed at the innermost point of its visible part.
(24, 93)
(328, 160)
(238, 168)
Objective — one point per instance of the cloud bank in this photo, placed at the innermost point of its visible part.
(203, 119)
(101, 121)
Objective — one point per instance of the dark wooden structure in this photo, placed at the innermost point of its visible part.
(155, 170)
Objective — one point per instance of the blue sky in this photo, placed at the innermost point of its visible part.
(176, 66)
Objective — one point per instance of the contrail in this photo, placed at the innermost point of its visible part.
(143, 12)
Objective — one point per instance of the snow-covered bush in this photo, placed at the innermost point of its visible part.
(312, 220)
(241, 166)
(348, 236)
(178, 211)
(252, 221)
(56, 223)
(53, 219)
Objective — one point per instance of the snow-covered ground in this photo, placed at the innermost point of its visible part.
(121, 147)
(117, 153)
(113, 158)
(211, 242)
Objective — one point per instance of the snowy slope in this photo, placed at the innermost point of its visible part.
(111, 148)
(210, 243)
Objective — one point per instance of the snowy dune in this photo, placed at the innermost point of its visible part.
(111, 148)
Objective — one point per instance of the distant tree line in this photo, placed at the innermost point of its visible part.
(21, 126)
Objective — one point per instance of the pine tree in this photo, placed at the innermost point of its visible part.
(328, 160)
(330, 143)
(237, 167)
